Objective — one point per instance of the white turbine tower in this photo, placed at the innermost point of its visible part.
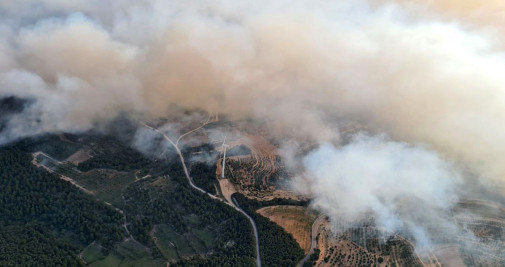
(224, 155)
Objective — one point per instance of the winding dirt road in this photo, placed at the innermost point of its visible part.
(234, 204)
(255, 230)
(315, 229)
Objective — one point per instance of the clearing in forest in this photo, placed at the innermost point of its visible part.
(295, 220)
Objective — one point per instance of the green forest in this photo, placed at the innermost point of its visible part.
(46, 221)
(277, 247)
(35, 201)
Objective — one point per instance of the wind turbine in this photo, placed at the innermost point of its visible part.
(224, 155)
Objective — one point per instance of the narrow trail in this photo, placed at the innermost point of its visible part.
(234, 204)
(74, 183)
(224, 155)
(125, 225)
(57, 163)
(181, 158)
(194, 130)
(255, 230)
(315, 228)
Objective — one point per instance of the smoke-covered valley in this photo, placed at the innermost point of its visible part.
(422, 80)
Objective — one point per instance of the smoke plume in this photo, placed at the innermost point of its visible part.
(428, 74)
(395, 181)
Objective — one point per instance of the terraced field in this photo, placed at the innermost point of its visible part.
(362, 246)
(258, 173)
(367, 245)
(253, 170)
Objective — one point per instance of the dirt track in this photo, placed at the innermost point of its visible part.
(315, 229)
(68, 179)
(232, 203)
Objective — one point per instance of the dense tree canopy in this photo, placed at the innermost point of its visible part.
(46, 221)
(31, 194)
(33, 245)
(277, 247)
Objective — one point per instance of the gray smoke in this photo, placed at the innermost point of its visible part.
(428, 75)
(406, 188)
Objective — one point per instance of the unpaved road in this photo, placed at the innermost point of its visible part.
(233, 204)
(315, 227)
(57, 162)
(194, 130)
(255, 230)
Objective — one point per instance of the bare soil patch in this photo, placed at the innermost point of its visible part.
(449, 256)
(295, 220)
(227, 188)
(78, 157)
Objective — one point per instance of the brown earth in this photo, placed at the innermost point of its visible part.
(36, 162)
(227, 189)
(295, 220)
(78, 157)
(449, 256)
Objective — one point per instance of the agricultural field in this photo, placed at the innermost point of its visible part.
(165, 220)
(362, 246)
(295, 220)
(127, 253)
(175, 246)
(105, 184)
(366, 245)
(255, 168)
(487, 222)
(79, 156)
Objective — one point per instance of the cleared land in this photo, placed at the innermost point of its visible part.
(365, 245)
(257, 171)
(79, 156)
(175, 246)
(252, 172)
(128, 253)
(295, 220)
(52, 165)
(449, 256)
(227, 189)
(105, 184)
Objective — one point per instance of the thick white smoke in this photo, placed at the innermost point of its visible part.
(422, 73)
(406, 188)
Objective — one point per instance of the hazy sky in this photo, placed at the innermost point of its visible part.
(426, 74)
